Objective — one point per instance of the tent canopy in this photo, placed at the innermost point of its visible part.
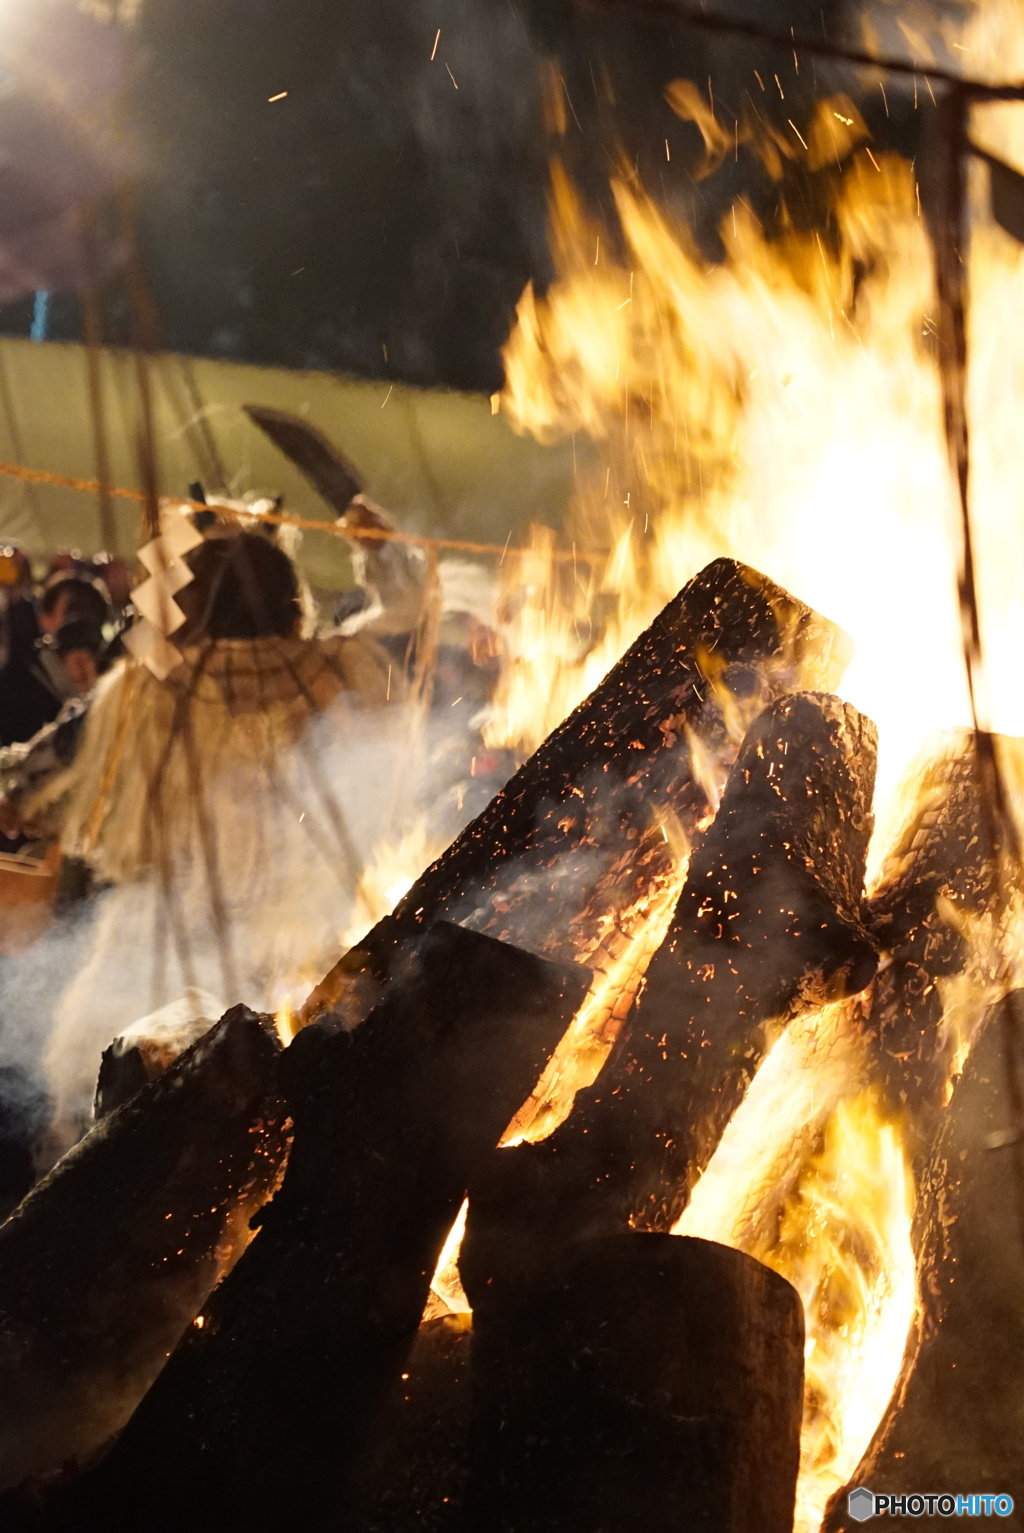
(440, 461)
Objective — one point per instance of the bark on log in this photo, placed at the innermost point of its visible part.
(575, 836)
(261, 1416)
(657, 1384)
(768, 924)
(106, 1262)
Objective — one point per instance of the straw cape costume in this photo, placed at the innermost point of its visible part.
(229, 808)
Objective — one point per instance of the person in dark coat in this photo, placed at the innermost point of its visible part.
(34, 681)
(27, 702)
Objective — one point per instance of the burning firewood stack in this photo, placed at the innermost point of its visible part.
(622, 1368)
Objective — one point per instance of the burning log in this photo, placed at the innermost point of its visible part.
(954, 1426)
(656, 1384)
(575, 836)
(106, 1262)
(939, 915)
(262, 1415)
(768, 925)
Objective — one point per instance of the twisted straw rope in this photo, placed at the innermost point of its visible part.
(275, 518)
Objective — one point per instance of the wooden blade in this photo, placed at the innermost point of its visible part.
(332, 476)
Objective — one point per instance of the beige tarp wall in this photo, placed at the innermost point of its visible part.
(441, 461)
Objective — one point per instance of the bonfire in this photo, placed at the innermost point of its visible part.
(612, 1176)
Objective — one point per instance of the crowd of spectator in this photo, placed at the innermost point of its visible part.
(58, 634)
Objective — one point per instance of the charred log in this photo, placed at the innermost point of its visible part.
(108, 1260)
(768, 925)
(261, 1416)
(657, 1384)
(575, 835)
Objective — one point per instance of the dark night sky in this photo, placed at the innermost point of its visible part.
(380, 221)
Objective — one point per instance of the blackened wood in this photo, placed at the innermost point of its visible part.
(568, 839)
(656, 1384)
(941, 849)
(108, 1260)
(768, 924)
(260, 1417)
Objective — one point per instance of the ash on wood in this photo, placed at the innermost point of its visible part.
(149, 1047)
(575, 835)
(260, 1417)
(106, 1262)
(657, 1384)
(768, 924)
